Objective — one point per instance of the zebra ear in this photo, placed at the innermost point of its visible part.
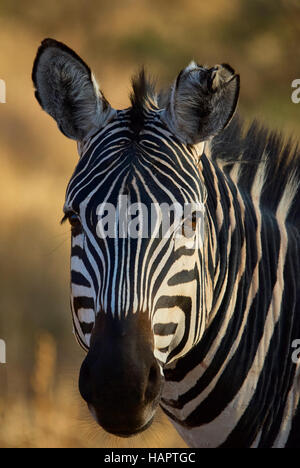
(66, 88)
(201, 102)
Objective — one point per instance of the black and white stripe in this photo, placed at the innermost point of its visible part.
(224, 315)
(134, 275)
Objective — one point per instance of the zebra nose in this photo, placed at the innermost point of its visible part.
(154, 382)
(122, 396)
(85, 387)
(145, 387)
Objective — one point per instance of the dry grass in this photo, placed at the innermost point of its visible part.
(54, 416)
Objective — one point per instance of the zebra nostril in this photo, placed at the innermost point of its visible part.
(153, 383)
(85, 382)
(153, 373)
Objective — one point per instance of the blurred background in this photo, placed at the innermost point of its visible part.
(39, 401)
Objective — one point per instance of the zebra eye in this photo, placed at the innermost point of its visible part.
(76, 226)
(190, 225)
(194, 220)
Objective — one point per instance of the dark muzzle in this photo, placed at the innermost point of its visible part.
(120, 379)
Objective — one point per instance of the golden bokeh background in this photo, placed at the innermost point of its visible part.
(39, 402)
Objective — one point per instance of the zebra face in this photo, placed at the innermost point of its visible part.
(137, 216)
(135, 261)
(136, 205)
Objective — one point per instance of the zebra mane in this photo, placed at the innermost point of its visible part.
(245, 151)
(142, 97)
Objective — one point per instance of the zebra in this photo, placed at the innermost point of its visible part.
(206, 332)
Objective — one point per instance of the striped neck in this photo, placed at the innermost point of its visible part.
(213, 392)
(225, 241)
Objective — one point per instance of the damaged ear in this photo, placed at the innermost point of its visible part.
(67, 90)
(201, 102)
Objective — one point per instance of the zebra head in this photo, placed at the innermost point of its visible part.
(136, 205)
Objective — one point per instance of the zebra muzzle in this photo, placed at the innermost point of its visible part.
(120, 379)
